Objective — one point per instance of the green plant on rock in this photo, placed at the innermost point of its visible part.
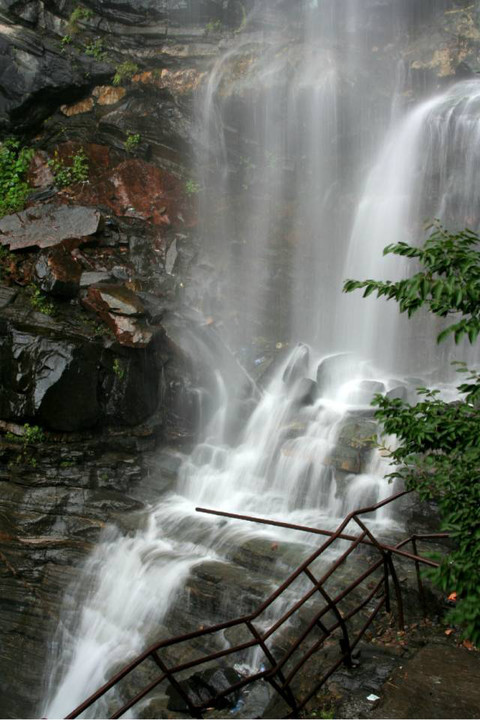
(14, 164)
(79, 13)
(95, 49)
(124, 72)
(66, 175)
(192, 187)
(118, 369)
(439, 450)
(213, 27)
(32, 435)
(6, 260)
(39, 301)
(66, 40)
(132, 141)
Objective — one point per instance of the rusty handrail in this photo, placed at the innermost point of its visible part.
(274, 674)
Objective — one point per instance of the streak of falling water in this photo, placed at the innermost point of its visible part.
(429, 168)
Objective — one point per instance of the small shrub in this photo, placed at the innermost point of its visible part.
(192, 187)
(6, 260)
(132, 141)
(95, 49)
(213, 27)
(80, 13)
(66, 40)
(14, 164)
(32, 435)
(125, 71)
(118, 369)
(66, 175)
(40, 302)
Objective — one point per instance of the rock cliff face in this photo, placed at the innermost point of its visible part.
(96, 271)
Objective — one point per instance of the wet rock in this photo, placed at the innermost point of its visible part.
(50, 379)
(400, 392)
(201, 687)
(297, 368)
(306, 392)
(358, 433)
(83, 106)
(108, 94)
(365, 392)
(107, 298)
(334, 370)
(58, 273)
(35, 79)
(122, 189)
(49, 225)
(40, 174)
(120, 309)
(7, 295)
(94, 278)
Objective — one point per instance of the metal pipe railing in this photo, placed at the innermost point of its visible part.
(280, 682)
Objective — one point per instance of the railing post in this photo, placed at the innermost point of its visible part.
(345, 641)
(419, 578)
(194, 711)
(387, 585)
(287, 695)
(398, 591)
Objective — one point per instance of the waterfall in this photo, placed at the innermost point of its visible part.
(303, 183)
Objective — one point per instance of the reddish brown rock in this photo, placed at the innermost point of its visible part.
(84, 106)
(177, 81)
(108, 94)
(58, 273)
(121, 309)
(138, 189)
(40, 174)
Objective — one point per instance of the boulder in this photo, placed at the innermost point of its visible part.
(335, 370)
(54, 380)
(365, 392)
(121, 309)
(306, 392)
(49, 225)
(58, 273)
(202, 687)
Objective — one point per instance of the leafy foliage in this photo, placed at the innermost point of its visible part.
(125, 71)
(192, 187)
(79, 13)
(132, 141)
(95, 49)
(14, 164)
(448, 284)
(40, 302)
(66, 175)
(32, 435)
(439, 450)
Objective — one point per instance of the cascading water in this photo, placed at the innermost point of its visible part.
(285, 132)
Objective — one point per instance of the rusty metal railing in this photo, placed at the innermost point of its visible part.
(328, 620)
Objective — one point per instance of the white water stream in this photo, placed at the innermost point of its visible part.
(281, 464)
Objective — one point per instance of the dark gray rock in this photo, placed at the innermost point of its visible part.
(365, 391)
(58, 273)
(48, 225)
(7, 295)
(306, 392)
(35, 79)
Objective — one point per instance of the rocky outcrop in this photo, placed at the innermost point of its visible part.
(47, 225)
